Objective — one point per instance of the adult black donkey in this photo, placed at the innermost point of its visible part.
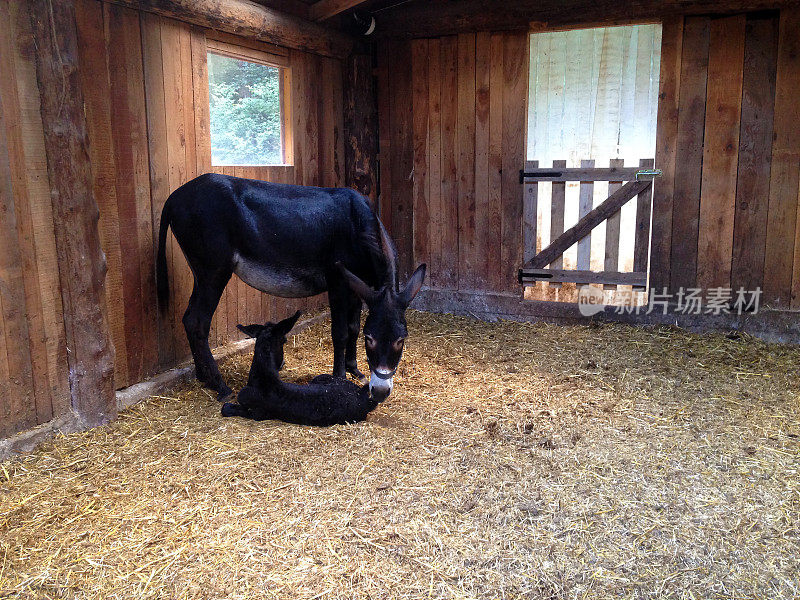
(291, 241)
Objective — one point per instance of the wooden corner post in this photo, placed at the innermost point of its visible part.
(360, 125)
(81, 262)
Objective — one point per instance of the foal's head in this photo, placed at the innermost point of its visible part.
(270, 339)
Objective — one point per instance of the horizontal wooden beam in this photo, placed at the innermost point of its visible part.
(422, 18)
(591, 220)
(590, 174)
(325, 9)
(248, 19)
(530, 276)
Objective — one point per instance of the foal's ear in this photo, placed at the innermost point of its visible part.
(413, 286)
(285, 326)
(361, 289)
(250, 330)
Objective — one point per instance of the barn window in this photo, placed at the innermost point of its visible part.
(248, 99)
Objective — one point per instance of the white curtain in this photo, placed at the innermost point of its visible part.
(594, 94)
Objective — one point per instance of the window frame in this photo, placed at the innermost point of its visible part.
(270, 56)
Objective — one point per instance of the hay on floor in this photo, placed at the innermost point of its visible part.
(511, 461)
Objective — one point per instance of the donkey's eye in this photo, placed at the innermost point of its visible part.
(370, 342)
(398, 343)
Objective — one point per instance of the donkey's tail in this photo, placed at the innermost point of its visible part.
(162, 281)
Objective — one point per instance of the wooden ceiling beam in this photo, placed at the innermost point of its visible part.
(325, 9)
(249, 19)
(422, 18)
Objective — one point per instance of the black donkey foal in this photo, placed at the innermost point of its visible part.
(327, 400)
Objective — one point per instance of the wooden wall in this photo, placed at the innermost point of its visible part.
(149, 134)
(145, 85)
(34, 378)
(729, 143)
(452, 116)
(452, 113)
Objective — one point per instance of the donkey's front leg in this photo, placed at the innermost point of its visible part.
(353, 328)
(339, 331)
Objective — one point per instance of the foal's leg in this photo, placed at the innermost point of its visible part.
(353, 327)
(197, 322)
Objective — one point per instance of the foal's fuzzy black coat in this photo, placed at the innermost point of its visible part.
(327, 400)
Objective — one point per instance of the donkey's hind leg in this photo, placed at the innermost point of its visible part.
(197, 322)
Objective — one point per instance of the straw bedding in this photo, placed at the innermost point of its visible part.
(511, 461)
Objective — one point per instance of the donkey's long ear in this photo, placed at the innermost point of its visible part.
(361, 289)
(285, 326)
(251, 330)
(413, 286)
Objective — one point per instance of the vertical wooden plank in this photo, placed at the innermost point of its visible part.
(33, 157)
(515, 79)
(496, 94)
(155, 103)
(611, 262)
(141, 177)
(449, 175)
(585, 203)
(780, 253)
(755, 146)
(14, 166)
(720, 152)
(465, 142)
(124, 169)
(311, 171)
(641, 242)
(384, 136)
(189, 143)
(298, 66)
(402, 158)
(483, 61)
(202, 132)
(329, 133)
(9, 420)
(557, 213)
(337, 109)
(688, 170)
(325, 145)
(530, 212)
(419, 82)
(360, 125)
(172, 62)
(434, 155)
(97, 106)
(18, 408)
(666, 151)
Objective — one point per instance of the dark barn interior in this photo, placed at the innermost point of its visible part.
(456, 119)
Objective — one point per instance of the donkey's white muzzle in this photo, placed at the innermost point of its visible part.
(380, 384)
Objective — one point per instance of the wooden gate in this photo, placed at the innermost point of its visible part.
(625, 183)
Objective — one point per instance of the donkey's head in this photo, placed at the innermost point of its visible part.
(270, 339)
(385, 329)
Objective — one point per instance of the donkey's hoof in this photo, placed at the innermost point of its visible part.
(223, 392)
(229, 409)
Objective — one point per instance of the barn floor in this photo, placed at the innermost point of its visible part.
(512, 461)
